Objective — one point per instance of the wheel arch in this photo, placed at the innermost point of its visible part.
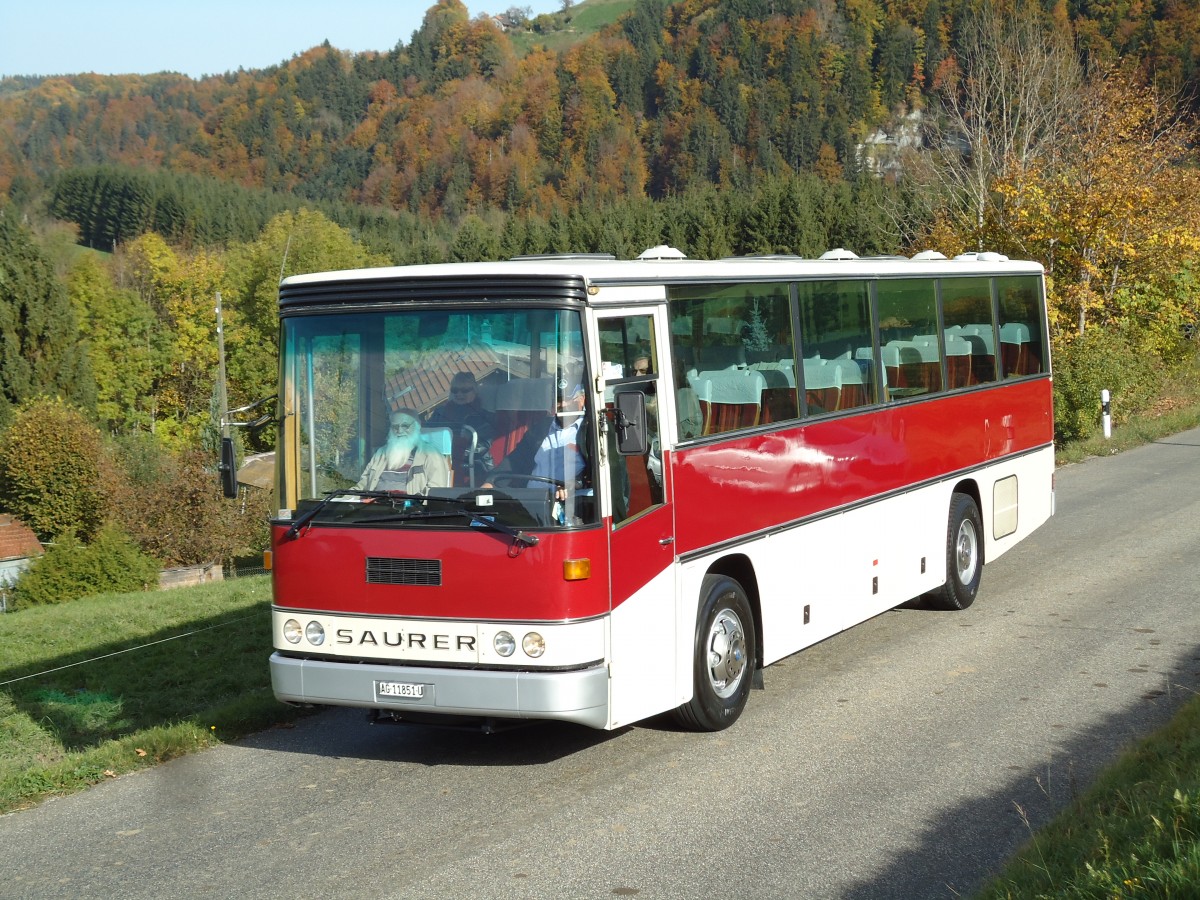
(970, 487)
(740, 568)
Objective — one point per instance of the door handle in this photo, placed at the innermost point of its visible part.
(667, 541)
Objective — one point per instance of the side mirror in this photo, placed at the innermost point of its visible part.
(229, 483)
(629, 417)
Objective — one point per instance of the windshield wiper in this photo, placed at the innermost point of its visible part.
(294, 530)
(415, 512)
(461, 509)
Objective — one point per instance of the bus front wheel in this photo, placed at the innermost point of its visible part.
(964, 555)
(723, 657)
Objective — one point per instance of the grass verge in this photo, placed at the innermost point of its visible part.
(105, 685)
(1135, 833)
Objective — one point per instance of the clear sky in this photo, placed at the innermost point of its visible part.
(202, 37)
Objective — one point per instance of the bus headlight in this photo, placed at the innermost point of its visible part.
(315, 632)
(292, 631)
(533, 644)
(504, 643)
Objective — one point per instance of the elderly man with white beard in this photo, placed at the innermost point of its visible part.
(405, 463)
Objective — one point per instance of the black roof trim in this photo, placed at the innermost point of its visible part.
(360, 291)
(558, 257)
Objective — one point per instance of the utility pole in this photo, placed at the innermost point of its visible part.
(222, 396)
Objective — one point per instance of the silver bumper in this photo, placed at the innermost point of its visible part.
(576, 696)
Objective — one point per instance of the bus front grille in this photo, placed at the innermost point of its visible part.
(424, 572)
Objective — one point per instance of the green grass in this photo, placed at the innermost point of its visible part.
(577, 24)
(105, 685)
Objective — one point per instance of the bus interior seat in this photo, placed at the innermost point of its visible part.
(441, 439)
(1014, 349)
(959, 365)
(983, 352)
(519, 403)
(931, 363)
(729, 399)
(822, 389)
(852, 390)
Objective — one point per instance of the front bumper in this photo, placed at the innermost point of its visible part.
(579, 695)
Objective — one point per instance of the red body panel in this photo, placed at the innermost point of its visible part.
(324, 569)
(747, 484)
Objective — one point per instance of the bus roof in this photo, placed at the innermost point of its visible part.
(664, 265)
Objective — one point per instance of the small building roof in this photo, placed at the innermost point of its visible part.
(17, 540)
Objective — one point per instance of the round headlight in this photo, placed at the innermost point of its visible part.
(504, 643)
(315, 632)
(292, 631)
(533, 644)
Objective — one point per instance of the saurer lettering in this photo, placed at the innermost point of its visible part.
(406, 640)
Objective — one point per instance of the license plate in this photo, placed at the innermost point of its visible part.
(400, 689)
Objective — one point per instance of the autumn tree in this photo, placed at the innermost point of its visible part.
(1118, 220)
(126, 346)
(1004, 108)
(165, 495)
(50, 470)
(181, 289)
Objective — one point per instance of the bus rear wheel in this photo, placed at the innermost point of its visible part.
(964, 555)
(723, 657)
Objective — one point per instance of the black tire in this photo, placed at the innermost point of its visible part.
(723, 657)
(964, 555)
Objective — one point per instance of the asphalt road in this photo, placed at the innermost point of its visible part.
(906, 758)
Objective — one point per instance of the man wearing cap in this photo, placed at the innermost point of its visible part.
(405, 463)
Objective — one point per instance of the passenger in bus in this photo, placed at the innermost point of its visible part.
(405, 463)
(556, 450)
(473, 429)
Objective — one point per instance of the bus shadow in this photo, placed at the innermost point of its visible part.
(965, 845)
(346, 732)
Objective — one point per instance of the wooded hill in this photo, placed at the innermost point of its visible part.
(670, 98)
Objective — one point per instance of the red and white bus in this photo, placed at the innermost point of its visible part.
(661, 475)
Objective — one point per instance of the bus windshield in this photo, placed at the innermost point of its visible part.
(482, 410)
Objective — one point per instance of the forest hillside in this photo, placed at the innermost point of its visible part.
(468, 118)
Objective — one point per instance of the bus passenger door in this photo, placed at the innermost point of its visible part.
(641, 523)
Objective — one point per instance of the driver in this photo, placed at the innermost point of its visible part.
(405, 463)
(555, 450)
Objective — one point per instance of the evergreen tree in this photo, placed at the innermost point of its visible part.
(40, 350)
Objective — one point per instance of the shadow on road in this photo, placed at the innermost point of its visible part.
(969, 842)
(349, 733)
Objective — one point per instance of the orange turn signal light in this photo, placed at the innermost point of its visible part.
(577, 569)
(268, 559)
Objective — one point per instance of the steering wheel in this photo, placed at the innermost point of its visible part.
(513, 476)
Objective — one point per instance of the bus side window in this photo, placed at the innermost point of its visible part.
(1021, 329)
(734, 356)
(908, 334)
(970, 331)
(837, 337)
